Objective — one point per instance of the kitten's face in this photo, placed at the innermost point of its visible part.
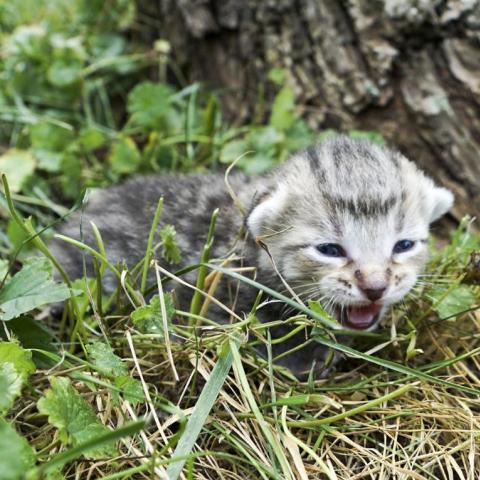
(348, 225)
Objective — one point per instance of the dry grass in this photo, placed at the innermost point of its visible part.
(408, 409)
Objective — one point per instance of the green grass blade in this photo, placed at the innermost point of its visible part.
(200, 413)
(292, 303)
(73, 453)
(148, 253)
(274, 443)
(397, 367)
(202, 271)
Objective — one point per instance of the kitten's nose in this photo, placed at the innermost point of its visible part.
(373, 282)
(374, 294)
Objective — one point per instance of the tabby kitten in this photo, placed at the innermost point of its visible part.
(345, 222)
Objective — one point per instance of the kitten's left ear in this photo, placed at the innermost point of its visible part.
(442, 201)
(264, 213)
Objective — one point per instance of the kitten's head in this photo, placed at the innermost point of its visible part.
(347, 223)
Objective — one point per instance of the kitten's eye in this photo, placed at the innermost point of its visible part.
(331, 250)
(403, 246)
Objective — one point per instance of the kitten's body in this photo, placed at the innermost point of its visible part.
(331, 217)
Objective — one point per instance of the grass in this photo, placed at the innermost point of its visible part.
(107, 392)
(216, 410)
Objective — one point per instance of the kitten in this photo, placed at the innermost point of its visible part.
(345, 222)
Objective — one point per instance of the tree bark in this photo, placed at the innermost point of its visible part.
(409, 69)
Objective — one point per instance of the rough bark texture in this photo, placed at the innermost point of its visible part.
(409, 69)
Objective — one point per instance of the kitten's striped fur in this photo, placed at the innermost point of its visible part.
(352, 193)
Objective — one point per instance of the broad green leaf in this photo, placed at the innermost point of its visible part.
(283, 109)
(299, 136)
(106, 45)
(17, 235)
(64, 72)
(149, 103)
(148, 319)
(91, 138)
(233, 150)
(257, 164)
(265, 140)
(124, 156)
(20, 358)
(32, 287)
(45, 135)
(17, 165)
(457, 301)
(47, 160)
(170, 251)
(16, 455)
(105, 360)
(132, 389)
(49, 142)
(33, 334)
(11, 383)
(75, 419)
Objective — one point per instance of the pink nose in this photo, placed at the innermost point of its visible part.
(374, 294)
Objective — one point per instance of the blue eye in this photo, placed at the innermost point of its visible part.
(331, 250)
(403, 246)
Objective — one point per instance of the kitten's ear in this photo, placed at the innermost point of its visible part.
(266, 208)
(442, 201)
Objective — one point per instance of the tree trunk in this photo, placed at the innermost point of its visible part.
(409, 69)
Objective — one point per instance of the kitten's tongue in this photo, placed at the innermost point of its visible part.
(362, 317)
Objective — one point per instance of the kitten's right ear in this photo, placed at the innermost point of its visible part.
(442, 201)
(266, 208)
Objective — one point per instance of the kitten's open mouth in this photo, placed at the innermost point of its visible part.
(358, 317)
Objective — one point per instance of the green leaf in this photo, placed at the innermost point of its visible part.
(64, 72)
(374, 137)
(265, 140)
(132, 389)
(16, 455)
(17, 165)
(456, 301)
(20, 358)
(299, 136)
(4, 266)
(16, 235)
(31, 288)
(71, 178)
(91, 138)
(170, 251)
(148, 319)
(49, 161)
(233, 150)
(45, 135)
(105, 360)
(277, 75)
(33, 334)
(316, 307)
(59, 459)
(149, 103)
(11, 383)
(75, 419)
(283, 109)
(124, 156)
(106, 45)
